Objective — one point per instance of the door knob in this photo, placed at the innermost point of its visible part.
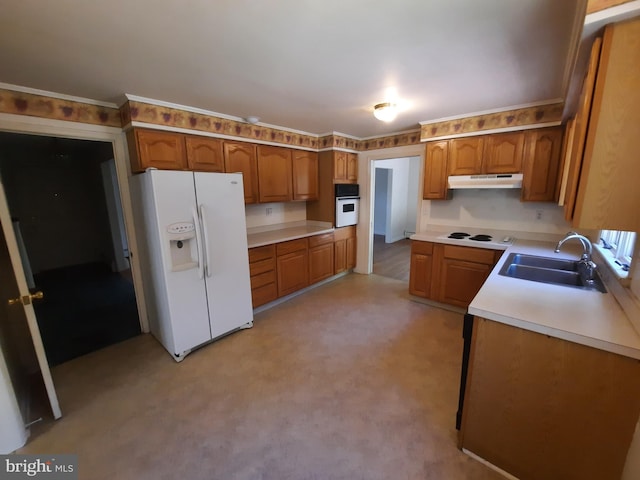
(26, 299)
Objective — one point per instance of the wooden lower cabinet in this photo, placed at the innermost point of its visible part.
(461, 272)
(448, 273)
(421, 268)
(321, 262)
(283, 268)
(262, 268)
(292, 266)
(345, 248)
(540, 407)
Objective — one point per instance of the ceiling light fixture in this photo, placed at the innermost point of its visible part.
(252, 120)
(386, 111)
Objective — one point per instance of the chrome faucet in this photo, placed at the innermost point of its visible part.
(587, 265)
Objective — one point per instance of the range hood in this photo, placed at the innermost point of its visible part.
(499, 180)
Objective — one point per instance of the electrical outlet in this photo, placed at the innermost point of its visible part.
(269, 211)
(538, 214)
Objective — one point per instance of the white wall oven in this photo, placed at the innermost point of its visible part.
(347, 204)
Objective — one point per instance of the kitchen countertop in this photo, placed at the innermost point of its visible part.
(581, 316)
(282, 232)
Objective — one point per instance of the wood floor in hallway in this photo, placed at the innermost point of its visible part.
(351, 380)
(392, 260)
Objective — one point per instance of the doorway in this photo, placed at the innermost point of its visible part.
(395, 202)
(66, 213)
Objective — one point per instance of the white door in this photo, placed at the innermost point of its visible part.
(22, 303)
(220, 198)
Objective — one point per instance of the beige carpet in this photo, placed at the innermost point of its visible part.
(351, 380)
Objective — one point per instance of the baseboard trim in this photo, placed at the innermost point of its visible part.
(490, 465)
(280, 300)
(433, 303)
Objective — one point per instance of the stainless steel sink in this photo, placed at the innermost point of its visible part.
(542, 262)
(555, 271)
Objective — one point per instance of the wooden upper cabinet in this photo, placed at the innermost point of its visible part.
(581, 123)
(608, 194)
(154, 148)
(352, 168)
(340, 167)
(503, 153)
(540, 178)
(204, 154)
(305, 175)
(241, 157)
(274, 174)
(435, 171)
(465, 156)
(345, 167)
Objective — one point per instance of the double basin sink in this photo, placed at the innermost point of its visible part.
(556, 271)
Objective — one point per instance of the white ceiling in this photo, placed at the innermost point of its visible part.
(312, 65)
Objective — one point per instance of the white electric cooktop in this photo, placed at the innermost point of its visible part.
(477, 239)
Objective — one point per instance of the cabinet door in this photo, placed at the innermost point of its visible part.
(580, 131)
(274, 174)
(542, 162)
(305, 175)
(421, 268)
(340, 255)
(608, 193)
(465, 156)
(340, 167)
(351, 249)
(352, 168)
(320, 262)
(204, 154)
(503, 153)
(162, 150)
(292, 271)
(460, 281)
(435, 171)
(241, 157)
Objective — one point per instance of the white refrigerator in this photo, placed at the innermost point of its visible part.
(192, 241)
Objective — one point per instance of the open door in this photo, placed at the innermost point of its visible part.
(17, 308)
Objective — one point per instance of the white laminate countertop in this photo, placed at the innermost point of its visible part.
(282, 232)
(582, 316)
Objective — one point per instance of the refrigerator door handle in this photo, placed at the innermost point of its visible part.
(196, 222)
(207, 254)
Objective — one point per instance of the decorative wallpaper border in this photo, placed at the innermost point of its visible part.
(48, 107)
(32, 105)
(173, 117)
(507, 119)
(400, 140)
(337, 141)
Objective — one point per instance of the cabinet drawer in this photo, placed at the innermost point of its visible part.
(260, 253)
(320, 239)
(291, 246)
(344, 232)
(264, 294)
(262, 266)
(263, 279)
(470, 254)
(424, 248)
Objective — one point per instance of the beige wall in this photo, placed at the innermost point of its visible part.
(257, 216)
